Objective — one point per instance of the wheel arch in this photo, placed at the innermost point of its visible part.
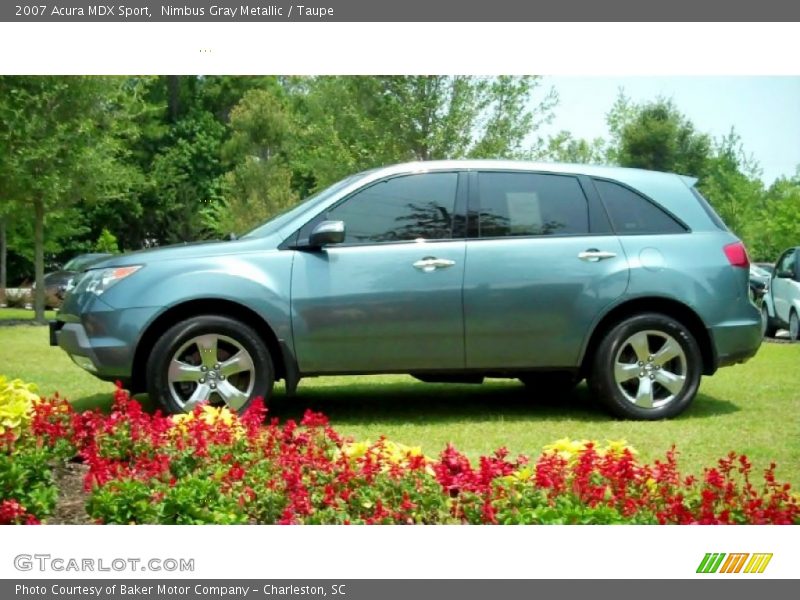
(653, 304)
(281, 356)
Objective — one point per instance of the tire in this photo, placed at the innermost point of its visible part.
(794, 326)
(768, 328)
(218, 360)
(550, 383)
(629, 376)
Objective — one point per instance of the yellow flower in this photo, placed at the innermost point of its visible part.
(524, 474)
(355, 450)
(16, 405)
(387, 451)
(210, 415)
(569, 449)
(566, 448)
(618, 447)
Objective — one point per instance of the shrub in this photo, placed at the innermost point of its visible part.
(107, 242)
(27, 489)
(16, 407)
(212, 466)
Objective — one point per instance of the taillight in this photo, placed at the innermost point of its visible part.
(737, 255)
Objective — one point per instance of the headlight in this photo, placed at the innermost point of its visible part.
(98, 281)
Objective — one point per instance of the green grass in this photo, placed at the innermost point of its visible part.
(22, 314)
(752, 408)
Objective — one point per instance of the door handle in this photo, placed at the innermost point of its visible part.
(594, 255)
(431, 263)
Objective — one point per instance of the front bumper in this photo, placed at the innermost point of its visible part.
(102, 342)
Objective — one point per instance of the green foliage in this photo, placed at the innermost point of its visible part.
(563, 147)
(185, 177)
(775, 225)
(656, 135)
(159, 160)
(107, 242)
(63, 138)
(259, 184)
(347, 124)
(27, 477)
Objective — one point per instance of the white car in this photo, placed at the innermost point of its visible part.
(781, 306)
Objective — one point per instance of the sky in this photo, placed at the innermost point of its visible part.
(765, 111)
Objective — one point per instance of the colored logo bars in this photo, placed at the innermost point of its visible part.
(734, 563)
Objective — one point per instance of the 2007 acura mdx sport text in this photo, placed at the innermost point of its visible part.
(449, 271)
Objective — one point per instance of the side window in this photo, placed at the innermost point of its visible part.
(403, 208)
(787, 263)
(631, 213)
(516, 204)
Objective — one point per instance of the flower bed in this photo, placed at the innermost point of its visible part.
(213, 466)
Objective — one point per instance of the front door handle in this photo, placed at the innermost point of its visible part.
(594, 255)
(431, 263)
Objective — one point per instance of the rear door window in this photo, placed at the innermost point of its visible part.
(530, 204)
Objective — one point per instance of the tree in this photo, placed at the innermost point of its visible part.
(3, 257)
(107, 243)
(259, 182)
(563, 147)
(63, 138)
(774, 225)
(347, 124)
(656, 135)
(732, 184)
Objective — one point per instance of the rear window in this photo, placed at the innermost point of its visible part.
(715, 218)
(632, 213)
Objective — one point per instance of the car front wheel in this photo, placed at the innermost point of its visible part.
(794, 327)
(647, 367)
(209, 360)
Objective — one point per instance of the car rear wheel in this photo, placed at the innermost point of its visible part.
(647, 367)
(794, 326)
(768, 328)
(209, 360)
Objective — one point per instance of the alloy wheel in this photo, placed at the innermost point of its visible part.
(211, 369)
(650, 369)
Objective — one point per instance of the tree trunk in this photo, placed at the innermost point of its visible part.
(38, 260)
(3, 262)
(173, 97)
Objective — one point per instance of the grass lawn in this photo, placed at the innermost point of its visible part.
(752, 408)
(22, 314)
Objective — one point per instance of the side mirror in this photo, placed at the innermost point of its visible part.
(325, 233)
(784, 274)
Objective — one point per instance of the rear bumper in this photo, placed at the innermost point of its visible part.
(736, 342)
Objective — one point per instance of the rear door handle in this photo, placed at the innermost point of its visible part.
(431, 263)
(594, 255)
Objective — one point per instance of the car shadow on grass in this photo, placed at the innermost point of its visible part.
(399, 403)
(422, 403)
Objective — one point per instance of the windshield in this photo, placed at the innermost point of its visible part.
(84, 260)
(282, 219)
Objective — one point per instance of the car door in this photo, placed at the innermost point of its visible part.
(388, 299)
(783, 286)
(540, 268)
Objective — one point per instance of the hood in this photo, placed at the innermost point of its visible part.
(189, 250)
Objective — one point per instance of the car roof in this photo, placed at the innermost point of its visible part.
(623, 174)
